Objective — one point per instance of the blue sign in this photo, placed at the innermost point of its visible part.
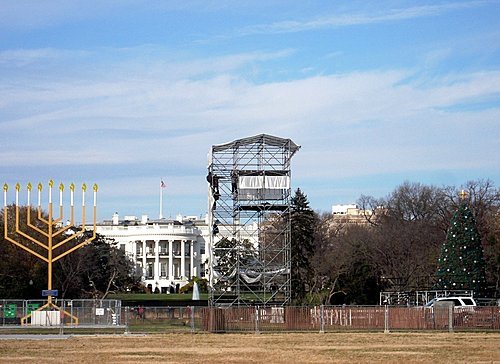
(50, 292)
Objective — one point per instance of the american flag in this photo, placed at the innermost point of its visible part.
(162, 184)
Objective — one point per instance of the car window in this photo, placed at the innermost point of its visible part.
(468, 302)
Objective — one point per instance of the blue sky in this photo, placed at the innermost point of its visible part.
(125, 93)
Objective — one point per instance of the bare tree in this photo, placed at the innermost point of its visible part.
(328, 262)
(371, 208)
(398, 245)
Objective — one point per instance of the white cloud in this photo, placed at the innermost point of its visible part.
(231, 103)
(24, 57)
(350, 124)
(351, 19)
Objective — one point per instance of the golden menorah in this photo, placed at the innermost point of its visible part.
(49, 249)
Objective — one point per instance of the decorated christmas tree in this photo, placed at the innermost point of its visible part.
(461, 264)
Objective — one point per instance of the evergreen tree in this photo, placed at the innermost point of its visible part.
(303, 224)
(461, 265)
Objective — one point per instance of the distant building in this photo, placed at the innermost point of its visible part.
(349, 214)
(350, 209)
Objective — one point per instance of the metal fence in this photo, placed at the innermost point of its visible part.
(67, 313)
(342, 318)
(319, 319)
(162, 319)
(110, 314)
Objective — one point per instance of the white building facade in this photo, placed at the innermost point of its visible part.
(166, 253)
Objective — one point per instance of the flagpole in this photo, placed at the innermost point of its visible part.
(162, 187)
(161, 200)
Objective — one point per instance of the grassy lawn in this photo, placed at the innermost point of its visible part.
(263, 348)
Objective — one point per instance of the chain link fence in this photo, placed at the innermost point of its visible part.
(140, 319)
(343, 318)
(67, 313)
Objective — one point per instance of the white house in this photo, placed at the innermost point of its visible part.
(166, 252)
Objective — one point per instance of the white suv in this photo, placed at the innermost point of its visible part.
(462, 301)
(464, 307)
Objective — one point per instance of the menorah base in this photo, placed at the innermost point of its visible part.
(49, 315)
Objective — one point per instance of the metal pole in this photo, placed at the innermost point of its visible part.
(257, 320)
(450, 318)
(386, 319)
(192, 318)
(322, 319)
(49, 246)
(127, 310)
(61, 321)
(71, 312)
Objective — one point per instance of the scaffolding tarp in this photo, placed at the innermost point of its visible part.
(263, 182)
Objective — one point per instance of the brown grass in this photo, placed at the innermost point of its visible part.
(263, 348)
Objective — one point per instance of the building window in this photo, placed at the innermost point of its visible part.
(150, 248)
(163, 248)
(177, 248)
(163, 269)
(149, 271)
(177, 271)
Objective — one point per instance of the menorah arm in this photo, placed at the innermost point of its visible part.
(69, 226)
(61, 216)
(82, 230)
(18, 230)
(60, 231)
(36, 228)
(86, 241)
(40, 216)
(71, 237)
(25, 248)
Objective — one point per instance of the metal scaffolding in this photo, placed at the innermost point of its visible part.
(249, 203)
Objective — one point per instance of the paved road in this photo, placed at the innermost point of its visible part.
(34, 337)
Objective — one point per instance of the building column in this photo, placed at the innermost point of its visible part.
(192, 271)
(157, 262)
(183, 258)
(134, 252)
(170, 261)
(144, 265)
